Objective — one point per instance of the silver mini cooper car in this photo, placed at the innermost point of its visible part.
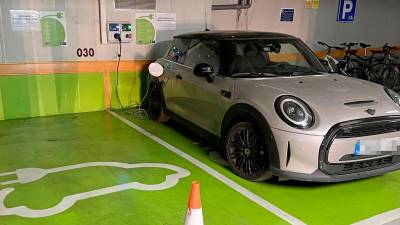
(267, 99)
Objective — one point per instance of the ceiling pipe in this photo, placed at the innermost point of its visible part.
(242, 4)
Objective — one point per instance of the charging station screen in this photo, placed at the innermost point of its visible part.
(126, 27)
(113, 27)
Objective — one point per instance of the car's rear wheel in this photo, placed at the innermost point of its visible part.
(247, 153)
(156, 103)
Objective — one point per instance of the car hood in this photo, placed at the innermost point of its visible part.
(332, 98)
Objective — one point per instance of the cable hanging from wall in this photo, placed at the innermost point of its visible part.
(139, 112)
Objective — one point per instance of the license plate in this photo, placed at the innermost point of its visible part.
(378, 147)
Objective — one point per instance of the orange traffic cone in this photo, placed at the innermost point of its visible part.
(194, 214)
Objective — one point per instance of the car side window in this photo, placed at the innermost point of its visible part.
(177, 50)
(203, 51)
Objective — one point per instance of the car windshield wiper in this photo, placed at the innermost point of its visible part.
(287, 69)
(252, 74)
(302, 73)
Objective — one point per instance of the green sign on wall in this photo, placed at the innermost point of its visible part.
(145, 28)
(53, 27)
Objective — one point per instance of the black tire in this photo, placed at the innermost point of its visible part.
(383, 74)
(397, 71)
(390, 77)
(357, 72)
(246, 152)
(156, 103)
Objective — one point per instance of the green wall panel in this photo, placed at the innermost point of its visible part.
(67, 93)
(129, 89)
(1, 108)
(16, 96)
(42, 95)
(47, 99)
(93, 97)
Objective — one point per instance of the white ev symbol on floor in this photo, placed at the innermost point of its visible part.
(28, 175)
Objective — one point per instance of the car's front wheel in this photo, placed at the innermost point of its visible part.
(247, 152)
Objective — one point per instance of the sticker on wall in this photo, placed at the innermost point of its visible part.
(25, 20)
(311, 4)
(53, 27)
(145, 28)
(166, 21)
(347, 10)
(315, 4)
(287, 15)
(308, 4)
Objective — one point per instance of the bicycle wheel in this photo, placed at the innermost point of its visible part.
(397, 71)
(384, 74)
(353, 63)
(357, 72)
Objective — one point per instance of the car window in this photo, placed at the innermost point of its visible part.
(203, 51)
(268, 57)
(288, 53)
(177, 50)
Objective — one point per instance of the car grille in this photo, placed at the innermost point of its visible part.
(360, 166)
(368, 164)
(358, 128)
(375, 128)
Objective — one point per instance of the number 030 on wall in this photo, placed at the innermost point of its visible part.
(85, 52)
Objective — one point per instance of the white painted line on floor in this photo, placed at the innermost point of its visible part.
(235, 186)
(27, 175)
(381, 219)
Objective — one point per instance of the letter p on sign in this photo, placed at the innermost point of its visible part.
(347, 10)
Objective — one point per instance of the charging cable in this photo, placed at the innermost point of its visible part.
(139, 112)
(119, 54)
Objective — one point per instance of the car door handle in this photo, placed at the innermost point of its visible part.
(178, 76)
(226, 93)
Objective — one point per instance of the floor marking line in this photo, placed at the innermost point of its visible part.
(384, 218)
(235, 186)
(27, 175)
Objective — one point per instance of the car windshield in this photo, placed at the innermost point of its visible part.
(268, 58)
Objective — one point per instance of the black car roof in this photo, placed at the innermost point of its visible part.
(233, 35)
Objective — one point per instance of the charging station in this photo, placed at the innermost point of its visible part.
(124, 30)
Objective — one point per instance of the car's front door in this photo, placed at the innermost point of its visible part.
(199, 101)
(173, 62)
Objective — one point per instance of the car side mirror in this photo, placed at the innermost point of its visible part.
(204, 70)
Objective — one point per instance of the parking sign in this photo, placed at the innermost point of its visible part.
(347, 10)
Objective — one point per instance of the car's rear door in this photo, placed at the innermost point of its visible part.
(199, 101)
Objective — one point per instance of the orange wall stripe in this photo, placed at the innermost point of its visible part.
(361, 52)
(72, 67)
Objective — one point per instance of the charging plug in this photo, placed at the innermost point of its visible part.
(117, 36)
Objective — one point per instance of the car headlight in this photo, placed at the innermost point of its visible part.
(393, 95)
(294, 112)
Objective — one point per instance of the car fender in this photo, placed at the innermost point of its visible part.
(243, 111)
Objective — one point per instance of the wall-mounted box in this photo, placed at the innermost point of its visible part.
(124, 29)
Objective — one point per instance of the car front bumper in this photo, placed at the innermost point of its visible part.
(330, 158)
(319, 176)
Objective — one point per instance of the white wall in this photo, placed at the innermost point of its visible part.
(83, 29)
(376, 21)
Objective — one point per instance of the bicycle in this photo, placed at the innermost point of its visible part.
(372, 68)
(330, 62)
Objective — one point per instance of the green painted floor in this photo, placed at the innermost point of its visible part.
(50, 142)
